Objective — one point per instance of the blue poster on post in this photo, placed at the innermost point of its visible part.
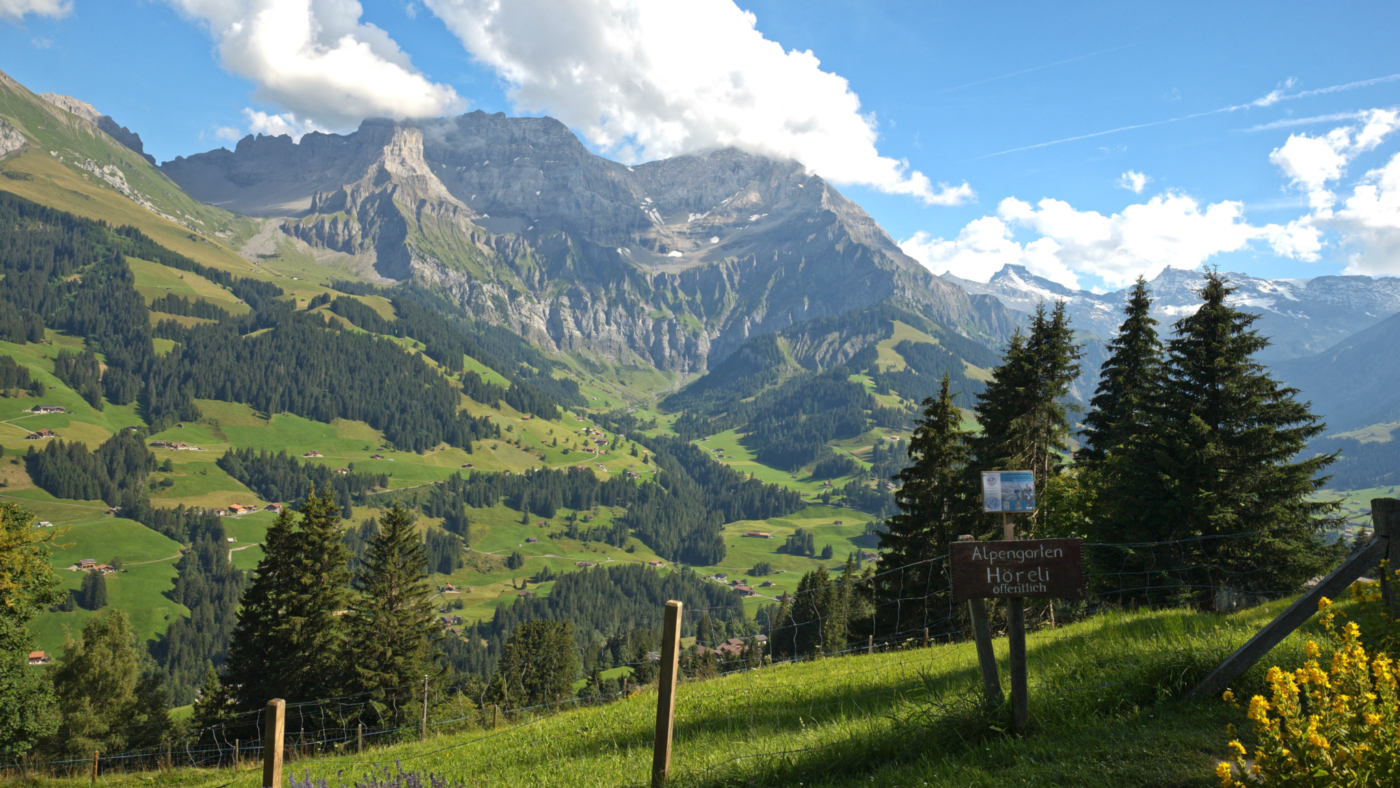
(1008, 491)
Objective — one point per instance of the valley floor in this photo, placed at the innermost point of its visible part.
(1101, 695)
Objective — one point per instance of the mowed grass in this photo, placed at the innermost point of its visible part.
(148, 560)
(1101, 707)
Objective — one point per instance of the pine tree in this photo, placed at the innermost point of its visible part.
(1128, 380)
(1219, 459)
(537, 664)
(394, 635)
(28, 585)
(1023, 413)
(933, 501)
(289, 641)
(92, 594)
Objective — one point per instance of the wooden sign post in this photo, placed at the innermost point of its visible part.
(1012, 570)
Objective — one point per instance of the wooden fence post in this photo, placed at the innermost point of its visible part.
(423, 729)
(274, 724)
(1305, 606)
(986, 657)
(870, 645)
(235, 755)
(359, 738)
(94, 767)
(495, 714)
(1385, 519)
(1016, 641)
(666, 695)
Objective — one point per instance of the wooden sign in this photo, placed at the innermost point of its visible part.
(1047, 568)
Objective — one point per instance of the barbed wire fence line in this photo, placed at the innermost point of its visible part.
(915, 676)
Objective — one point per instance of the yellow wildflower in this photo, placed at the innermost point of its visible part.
(1238, 748)
(1310, 650)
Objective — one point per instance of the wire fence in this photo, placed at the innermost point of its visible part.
(907, 613)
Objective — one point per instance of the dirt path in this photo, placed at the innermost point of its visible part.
(233, 550)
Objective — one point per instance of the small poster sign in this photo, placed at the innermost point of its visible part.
(1008, 491)
(1046, 568)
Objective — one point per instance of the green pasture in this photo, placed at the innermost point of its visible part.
(1103, 713)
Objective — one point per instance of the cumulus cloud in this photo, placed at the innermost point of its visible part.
(1133, 181)
(315, 59)
(1313, 162)
(1370, 221)
(14, 10)
(227, 133)
(1168, 230)
(646, 79)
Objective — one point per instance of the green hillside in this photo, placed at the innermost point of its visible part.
(1102, 698)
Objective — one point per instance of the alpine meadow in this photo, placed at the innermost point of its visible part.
(630, 393)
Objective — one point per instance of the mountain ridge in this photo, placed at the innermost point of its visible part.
(675, 262)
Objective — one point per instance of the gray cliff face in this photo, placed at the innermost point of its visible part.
(674, 263)
(105, 123)
(1300, 316)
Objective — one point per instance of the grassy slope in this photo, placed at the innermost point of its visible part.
(890, 719)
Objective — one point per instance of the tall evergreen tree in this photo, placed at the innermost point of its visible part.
(537, 664)
(1128, 380)
(290, 640)
(28, 585)
(92, 594)
(394, 635)
(1219, 459)
(932, 499)
(1023, 412)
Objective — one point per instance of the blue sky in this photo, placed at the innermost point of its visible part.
(964, 93)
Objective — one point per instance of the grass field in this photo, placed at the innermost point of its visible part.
(1101, 708)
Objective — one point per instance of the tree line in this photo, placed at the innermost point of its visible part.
(1184, 440)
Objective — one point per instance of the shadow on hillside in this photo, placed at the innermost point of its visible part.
(1113, 665)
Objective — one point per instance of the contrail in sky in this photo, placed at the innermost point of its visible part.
(1268, 100)
(1023, 71)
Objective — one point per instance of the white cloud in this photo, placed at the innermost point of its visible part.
(15, 10)
(1168, 230)
(1133, 181)
(1313, 162)
(647, 79)
(982, 248)
(1370, 220)
(314, 58)
(276, 125)
(228, 133)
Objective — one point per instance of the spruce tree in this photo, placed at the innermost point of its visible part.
(1219, 459)
(289, 642)
(933, 510)
(537, 664)
(1128, 380)
(92, 594)
(1023, 412)
(394, 635)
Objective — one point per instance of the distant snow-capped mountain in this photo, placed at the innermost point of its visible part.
(1301, 316)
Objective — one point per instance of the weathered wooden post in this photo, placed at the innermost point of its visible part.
(870, 645)
(1384, 516)
(423, 729)
(94, 767)
(274, 724)
(986, 656)
(495, 714)
(1016, 645)
(666, 695)
(359, 738)
(235, 755)
(1385, 520)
